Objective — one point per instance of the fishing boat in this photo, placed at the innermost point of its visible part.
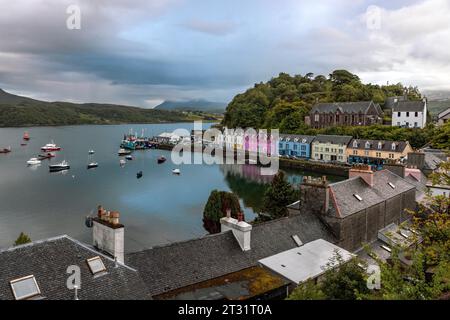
(123, 152)
(33, 161)
(122, 162)
(46, 156)
(50, 147)
(129, 157)
(91, 151)
(139, 175)
(176, 171)
(23, 144)
(26, 136)
(92, 165)
(5, 150)
(64, 165)
(161, 159)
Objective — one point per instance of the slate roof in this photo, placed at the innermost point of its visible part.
(177, 265)
(48, 260)
(432, 161)
(390, 101)
(345, 140)
(344, 107)
(444, 113)
(300, 138)
(411, 106)
(385, 145)
(348, 204)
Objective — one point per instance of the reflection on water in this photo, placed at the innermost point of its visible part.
(156, 209)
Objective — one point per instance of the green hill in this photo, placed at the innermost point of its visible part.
(16, 111)
(193, 105)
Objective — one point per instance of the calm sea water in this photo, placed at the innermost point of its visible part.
(157, 209)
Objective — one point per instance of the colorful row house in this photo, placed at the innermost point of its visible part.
(295, 145)
(330, 148)
(377, 152)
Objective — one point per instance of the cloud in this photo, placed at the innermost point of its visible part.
(216, 28)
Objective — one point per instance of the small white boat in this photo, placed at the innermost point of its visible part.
(64, 165)
(91, 151)
(122, 162)
(176, 171)
(33, 161)
(92, 165)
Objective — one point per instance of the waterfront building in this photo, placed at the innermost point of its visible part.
(377, 152)
(409, 114)
(365, 113)
(330, 148)
(295, 145)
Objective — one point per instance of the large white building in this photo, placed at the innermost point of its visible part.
(409, 114)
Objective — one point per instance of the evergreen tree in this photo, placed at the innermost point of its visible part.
(216, 208)
(278, 196)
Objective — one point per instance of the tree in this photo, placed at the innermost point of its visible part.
(278, 196)
(216, 208)
(22, 239)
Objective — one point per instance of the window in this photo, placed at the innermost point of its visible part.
(341, 151)
(398, 124)
(295, 146)
(367, 145)
(407, 114)
(416, 114)
(415, 125)
(407, 124)
(316, 117)
(393, 147)
(399, 114)
(327, 149)
(358, 197)
(303, 148)
(391, 156)
(281, 145)
(25, 287)
(355, 152)
(366, 152)
(96, 265)
(380, 145)
(355, 144)
(378, 154)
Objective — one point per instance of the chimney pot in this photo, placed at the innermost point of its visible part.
(240, 217)
(228, 213)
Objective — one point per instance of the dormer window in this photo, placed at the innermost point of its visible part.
(367, 145)
(355, 144)
(394, 147)
(380, 145)
(304, 141)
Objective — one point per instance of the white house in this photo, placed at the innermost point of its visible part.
(409, 114)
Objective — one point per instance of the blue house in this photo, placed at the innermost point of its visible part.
(295, 145)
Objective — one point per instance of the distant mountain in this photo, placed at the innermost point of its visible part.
(18, 111)
(193, 105)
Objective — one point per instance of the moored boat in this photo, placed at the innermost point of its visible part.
(5, 150)
(122, 162)
(129, 157)
(123, 152)
(33, 161)
(26, 136)
(162, 159)
(64, 165)
(176, 171)
(50, 147)
(92, 165)
(46, 156)
(91, 151)
(139, 175)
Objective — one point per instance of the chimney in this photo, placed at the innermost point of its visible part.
(416, 159)
(363, 171)
(414, 172)
(397, 168)
(241, 230)
(315, 195)
(108, 234)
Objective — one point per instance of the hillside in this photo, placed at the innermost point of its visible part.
(284, 101)
(436, 107)
(193, 105)
(16, 111)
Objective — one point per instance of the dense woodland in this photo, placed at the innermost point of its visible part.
(283, 102)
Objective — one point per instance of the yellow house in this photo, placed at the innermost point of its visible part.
(330, 148)
(377, 151)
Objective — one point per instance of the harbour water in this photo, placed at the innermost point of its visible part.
(157, 209)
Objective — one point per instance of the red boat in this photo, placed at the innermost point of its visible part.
(50, 147)
(5, 150)
(26, 136)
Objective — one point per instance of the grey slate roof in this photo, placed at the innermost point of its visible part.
(348, 204)
(344, 107)
(385, 145)
(184, 263)
(292, 137)
(432, 161)
(345, 140)
(48, 260)
(411, 106)
(444, 113)
(390, 101)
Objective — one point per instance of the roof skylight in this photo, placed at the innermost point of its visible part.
(96, 265)
(357, 196)
(25, 287)
(297, 240)
(391, 185)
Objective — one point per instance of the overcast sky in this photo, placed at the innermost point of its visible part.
(143, 52)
